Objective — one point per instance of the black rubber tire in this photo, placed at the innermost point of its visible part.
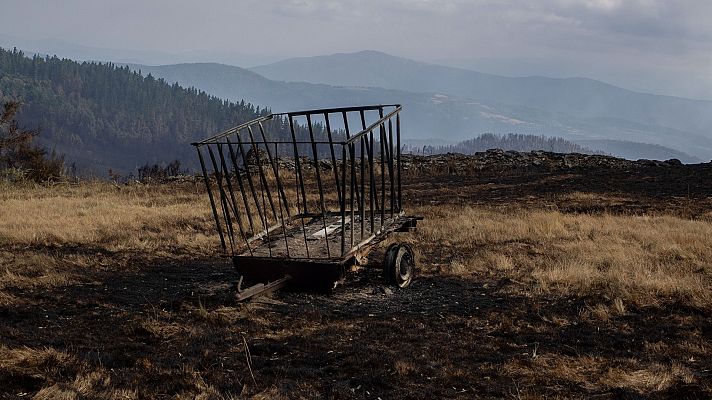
(399, 265)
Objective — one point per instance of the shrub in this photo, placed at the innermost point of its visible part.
(20, 157)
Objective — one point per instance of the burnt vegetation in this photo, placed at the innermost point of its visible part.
(101, 115)
(157, 172)
(543, 278)
(510, 142)
(21, 158)
(541, 275)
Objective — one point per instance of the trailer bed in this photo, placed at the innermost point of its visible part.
(316, 238)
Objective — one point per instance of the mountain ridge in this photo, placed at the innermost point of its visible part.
(261, 69)
(582, 97)
(428, 114)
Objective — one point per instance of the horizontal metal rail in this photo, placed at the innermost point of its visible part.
(305, 190)
(398, 107)
(232, 130)
(338, 110)
(373, 126)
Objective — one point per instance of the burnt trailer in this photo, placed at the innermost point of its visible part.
(299, 198)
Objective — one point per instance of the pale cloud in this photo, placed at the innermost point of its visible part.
(637, 38)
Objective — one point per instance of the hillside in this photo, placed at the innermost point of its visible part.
(430, 115)
(540, 275)
(631, 150)
(580, 104)
(102, 116)
(584, 97)
(514, 142)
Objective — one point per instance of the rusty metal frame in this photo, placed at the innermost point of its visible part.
(337, 176)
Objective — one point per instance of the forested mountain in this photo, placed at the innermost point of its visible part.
(435, 115)
(583, 97)
(512, 141)
(235, 83)
(103, 116)
(518, 142)
(579, 106)
(632, 151)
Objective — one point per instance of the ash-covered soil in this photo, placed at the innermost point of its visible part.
(443, 337)
(172, 330)
(548, 180)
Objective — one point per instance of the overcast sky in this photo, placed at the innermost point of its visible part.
(663, 46)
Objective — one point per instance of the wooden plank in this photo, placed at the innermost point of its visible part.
(336, 227)
(260, 288)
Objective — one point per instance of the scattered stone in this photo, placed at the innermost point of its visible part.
(497, 159)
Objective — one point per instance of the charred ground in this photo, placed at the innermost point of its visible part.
(147, 313)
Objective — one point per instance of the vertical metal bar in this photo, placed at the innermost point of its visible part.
(348, 136)
(361, 207)
(262, 173)
(212, 200)
(333, 157)
(383, 173)
(352, 154)
(223, 201)
(235, 209)
(249, 181)
(382, 137)
(263, 187)
(342, 204)
(240, 184)
(281, 214)
(275, 167)
(300, 183)
(226, 173)
(352, 179)
(372, 178)
(262, 191)
(390, 166)
(319, 184)
(346, 125)
(298, 164)
(398, 159)
(369, 152)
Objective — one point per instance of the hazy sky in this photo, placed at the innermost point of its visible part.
(657, 45)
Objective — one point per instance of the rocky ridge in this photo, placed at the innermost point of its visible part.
(497, 159)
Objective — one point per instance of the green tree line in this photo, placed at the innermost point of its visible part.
(103, 116)
(512, 141)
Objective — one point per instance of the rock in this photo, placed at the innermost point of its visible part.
(647, 163)
(385, 290)
(256, 156)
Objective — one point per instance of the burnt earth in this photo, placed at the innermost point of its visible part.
(155, 328)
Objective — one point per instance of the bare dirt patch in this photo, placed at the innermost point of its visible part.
(569, 283)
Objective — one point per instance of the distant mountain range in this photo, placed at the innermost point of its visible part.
(457, 104)
(580, 97)
(105, 117)
(583, 106)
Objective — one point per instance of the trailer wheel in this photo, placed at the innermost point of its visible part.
(399, 265)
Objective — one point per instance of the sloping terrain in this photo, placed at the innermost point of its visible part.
(585, 98)
(541, 276)
(102, 116)
(581, 106)
(435, 112)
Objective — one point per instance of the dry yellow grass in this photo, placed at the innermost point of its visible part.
(634, 259)
(58, 235)
(596, 373)
(115, 218)
(90, 382)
